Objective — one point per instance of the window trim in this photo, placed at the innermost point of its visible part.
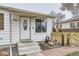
(35, 25)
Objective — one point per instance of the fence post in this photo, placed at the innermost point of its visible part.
(62, 39)
(68, 39)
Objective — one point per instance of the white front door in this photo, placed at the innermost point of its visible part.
(25, 28)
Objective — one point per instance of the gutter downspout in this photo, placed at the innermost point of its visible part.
(10, 35)
(30, 29)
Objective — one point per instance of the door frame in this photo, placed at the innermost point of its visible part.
(20, 27)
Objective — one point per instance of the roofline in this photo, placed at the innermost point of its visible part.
(71, 20)
(67, 21)
(25, 11)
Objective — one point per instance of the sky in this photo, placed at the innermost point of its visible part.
(39, 7)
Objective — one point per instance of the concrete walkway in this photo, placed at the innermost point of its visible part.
(57, 51)
(60, 51)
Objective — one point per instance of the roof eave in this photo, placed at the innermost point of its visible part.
(24, 11)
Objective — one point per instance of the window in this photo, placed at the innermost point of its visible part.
(1, 21)
(41, 25)
(72, 25)
(77, 24)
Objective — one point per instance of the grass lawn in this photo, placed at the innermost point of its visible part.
(73, 54)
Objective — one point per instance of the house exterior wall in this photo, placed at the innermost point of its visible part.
(65, 25)
(5, 33)
(15, 28)
(33, 35)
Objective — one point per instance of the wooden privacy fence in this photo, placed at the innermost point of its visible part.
(65, 38)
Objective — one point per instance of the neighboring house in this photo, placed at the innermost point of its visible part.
(68, 25)
(19, 26)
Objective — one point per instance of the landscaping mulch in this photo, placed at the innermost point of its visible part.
(6, 51)
(47, 46)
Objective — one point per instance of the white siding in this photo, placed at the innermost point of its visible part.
(15, 28)
(5, 34)
(40, 36)
(66, 26)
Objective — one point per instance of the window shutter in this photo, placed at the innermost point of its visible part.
(1, 21)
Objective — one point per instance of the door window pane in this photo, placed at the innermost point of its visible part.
(25, 24)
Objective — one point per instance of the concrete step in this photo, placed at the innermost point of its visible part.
(25, 40)
(24, 48)
(35, 54)
(28, 48)
(20, 45)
